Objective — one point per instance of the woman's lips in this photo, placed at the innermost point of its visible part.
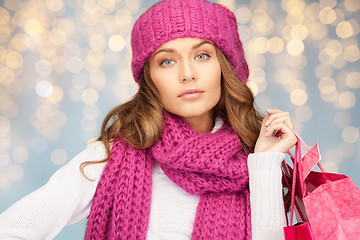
(190, 94)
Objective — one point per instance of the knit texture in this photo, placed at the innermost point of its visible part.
(210, 164)
(172, 19)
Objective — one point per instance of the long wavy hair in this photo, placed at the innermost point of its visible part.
(139, 121)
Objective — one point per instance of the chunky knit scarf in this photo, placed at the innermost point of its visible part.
(210, 164)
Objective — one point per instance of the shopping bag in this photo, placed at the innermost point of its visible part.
(329, 202)
(301, 230)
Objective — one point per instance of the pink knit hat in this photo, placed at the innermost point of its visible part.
(172, 19)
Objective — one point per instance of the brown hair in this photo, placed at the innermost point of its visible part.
(139, 121)
(237, 105)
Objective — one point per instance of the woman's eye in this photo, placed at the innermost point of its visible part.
(202, 56)
(167, 62)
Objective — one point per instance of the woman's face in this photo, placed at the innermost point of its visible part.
(187, 74)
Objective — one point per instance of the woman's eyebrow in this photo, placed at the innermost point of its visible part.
(170, 50)
(201, 43)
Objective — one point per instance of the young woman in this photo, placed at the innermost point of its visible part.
(187, 157)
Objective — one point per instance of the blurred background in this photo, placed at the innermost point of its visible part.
(65, 63)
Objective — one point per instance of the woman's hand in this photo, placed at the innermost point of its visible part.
(276, 121)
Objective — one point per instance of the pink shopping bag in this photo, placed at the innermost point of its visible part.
(329, 202)
(301, 230)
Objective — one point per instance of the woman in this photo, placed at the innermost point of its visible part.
(187, 157)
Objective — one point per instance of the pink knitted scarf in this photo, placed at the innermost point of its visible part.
(210, 164)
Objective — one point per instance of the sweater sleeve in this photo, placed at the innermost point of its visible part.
(266, 198)
(63, 200)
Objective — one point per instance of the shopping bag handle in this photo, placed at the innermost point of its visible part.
(302, 166)
(295, 170)
(292, 190)
(311, 158)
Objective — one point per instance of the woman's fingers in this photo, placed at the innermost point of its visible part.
(269, 143)
(286, 120)
(276, 116)
(278, 127)
(286, 141)
(276, 121)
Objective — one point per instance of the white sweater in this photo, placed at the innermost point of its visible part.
(67, 196)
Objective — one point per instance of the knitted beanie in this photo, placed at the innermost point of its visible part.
(172, 19)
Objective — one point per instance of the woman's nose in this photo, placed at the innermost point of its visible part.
(187, 72)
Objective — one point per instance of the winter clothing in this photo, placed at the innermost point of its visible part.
(172, 19)
(212, 165)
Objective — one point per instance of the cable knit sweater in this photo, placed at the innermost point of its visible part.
(66, 199)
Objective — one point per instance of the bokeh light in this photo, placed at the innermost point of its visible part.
(327, 15)
(4, 159)
(351, 53)
(243, 15)
(4, 126)
(15, 172)
(350, 134)
(20, 154)
(346, 99)
(116, 43)
(295, 47)
(44, 88)
(59, 156)
(13, 60)
(353, 80)
(276, 45)
(344, 29)
(90, 96)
